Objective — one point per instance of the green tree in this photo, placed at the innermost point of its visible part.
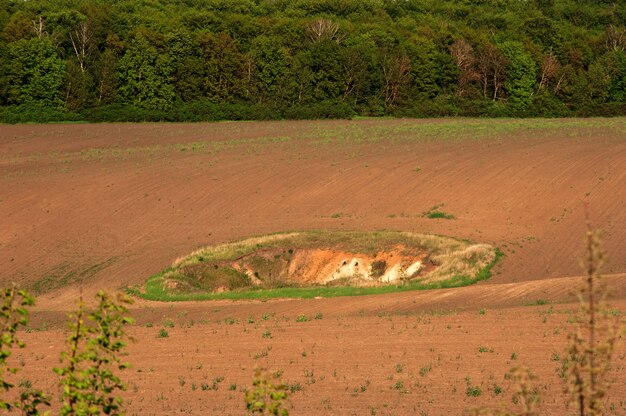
(522, 74)
(424, 69)
(224, 66)
(617, 90)
(321, 61)
(543, 31)
(145, 76)
(586, 88)
(361, 69)
(105, 71)
(18, 27)
(190, 73)
(35, 73)
(271, 63)
(396, 77)
(599, 81)
(78, 86)
(190, 77)
(4, 69)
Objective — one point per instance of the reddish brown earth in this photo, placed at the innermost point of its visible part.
(103, 206)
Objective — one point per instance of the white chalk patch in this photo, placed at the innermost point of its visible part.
(413, 268)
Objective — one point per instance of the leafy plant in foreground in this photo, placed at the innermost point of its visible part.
(593, 342)
(526, 394)
(94, 347)
(591, 346)
(13, 315)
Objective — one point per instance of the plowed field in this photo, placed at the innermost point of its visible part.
(106, 206)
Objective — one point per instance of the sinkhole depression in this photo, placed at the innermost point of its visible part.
(323, 259)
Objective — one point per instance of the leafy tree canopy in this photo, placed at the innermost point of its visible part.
(212, 59)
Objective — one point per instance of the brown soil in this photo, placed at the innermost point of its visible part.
(108, 205)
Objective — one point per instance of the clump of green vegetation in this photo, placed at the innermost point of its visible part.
(267, 396)
(472, 390)
(399, 386)
(436, 213)
(302, 318)
(439, 214)
(295, 387)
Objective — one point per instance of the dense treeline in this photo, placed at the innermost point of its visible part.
(258, 59)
